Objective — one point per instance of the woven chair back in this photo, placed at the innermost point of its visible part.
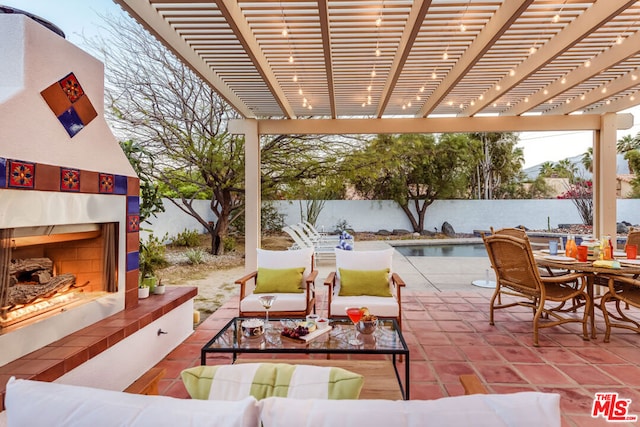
(513, 262)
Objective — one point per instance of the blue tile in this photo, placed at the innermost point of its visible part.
(133, 261)
(120, 184)
(133, 205)
(71, 122)
(3, 172)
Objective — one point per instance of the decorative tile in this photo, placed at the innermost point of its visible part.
(21, 174)
(56, 99)
(71, 87)
(105, 183)
(69, 179)
(133, 205)
(71, 122)
(120, 184)
(133, 261)
(133, 223)
(70, 104)
(85, 110)
(3, 172)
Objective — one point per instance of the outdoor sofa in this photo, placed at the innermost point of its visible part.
(34, 404)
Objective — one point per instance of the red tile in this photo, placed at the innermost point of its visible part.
(480, 352)
(426, 391)
(422, 372)
(598, 355)
(454, 326)
(450, 372)
(559, 355)
(590, 375)
(519, 354)
(443, 352)
(499, 373)
(543, 374)
(627, 374)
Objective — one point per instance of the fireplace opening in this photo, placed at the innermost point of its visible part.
(48, 269)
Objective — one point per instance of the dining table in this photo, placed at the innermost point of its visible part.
(559, 262)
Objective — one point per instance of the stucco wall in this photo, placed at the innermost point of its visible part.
(464, 215)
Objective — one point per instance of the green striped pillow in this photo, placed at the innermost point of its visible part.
(261, 380)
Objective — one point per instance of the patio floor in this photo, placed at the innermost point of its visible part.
(448, 334)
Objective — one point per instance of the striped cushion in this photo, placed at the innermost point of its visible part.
(261, 380)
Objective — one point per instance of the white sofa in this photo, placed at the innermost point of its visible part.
(40, 404)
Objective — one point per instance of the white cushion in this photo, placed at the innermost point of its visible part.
(379, 306)
(286, 259)
(490, 410)
(283, 302)
(364, 260)
(34, 404)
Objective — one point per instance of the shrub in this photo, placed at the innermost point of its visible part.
(187, 238)
(229, 243)
(581, 194)
(152, 254)
(195, 256)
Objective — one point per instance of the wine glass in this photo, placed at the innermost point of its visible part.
(355, 314)
(267, 302)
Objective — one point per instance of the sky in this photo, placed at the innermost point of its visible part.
(82, 17)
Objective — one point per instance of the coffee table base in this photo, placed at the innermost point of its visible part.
(380, 380)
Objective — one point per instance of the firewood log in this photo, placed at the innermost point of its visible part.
(25, 294)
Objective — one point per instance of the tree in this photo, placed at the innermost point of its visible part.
(587, 159)
(498, 165)
(413, 170)
(155, 100)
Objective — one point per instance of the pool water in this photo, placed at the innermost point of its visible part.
(464, 250)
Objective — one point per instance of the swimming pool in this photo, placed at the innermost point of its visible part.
(444, 250)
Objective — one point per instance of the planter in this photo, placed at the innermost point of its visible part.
(159, 290)
(143, 293)
(150, 282)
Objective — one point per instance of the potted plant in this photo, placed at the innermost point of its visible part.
(151, 258)
(159, 290)
(143, 290)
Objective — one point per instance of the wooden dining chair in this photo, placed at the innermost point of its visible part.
(621, 289)
(519, 281)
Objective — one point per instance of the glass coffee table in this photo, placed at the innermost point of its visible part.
(386, 340)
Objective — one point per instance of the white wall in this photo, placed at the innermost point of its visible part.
(464, 215)
(173, 221)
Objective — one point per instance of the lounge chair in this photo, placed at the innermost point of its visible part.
(383, 299)
(277, 266)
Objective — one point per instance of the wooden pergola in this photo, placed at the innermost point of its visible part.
(398, 66)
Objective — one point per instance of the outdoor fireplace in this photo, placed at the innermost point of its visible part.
(54, 268)
(69, 199)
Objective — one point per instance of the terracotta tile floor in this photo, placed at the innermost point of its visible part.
(449, 334)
